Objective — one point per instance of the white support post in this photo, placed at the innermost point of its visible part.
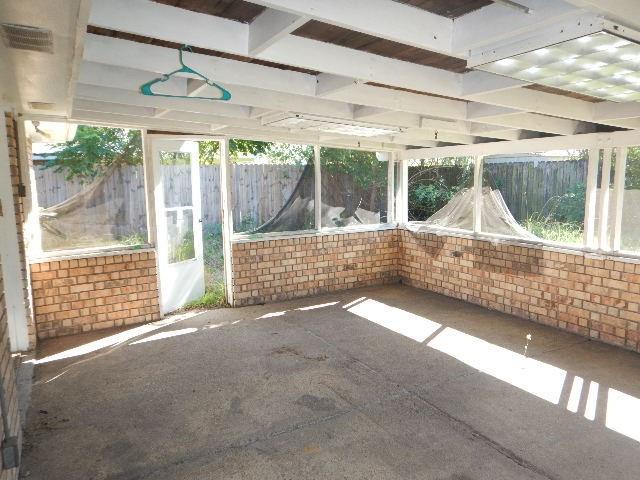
(317, 178)
(402, 211)
(9, 253)
(603, 223)
(147, 164)
(32, 230)
(477, 194)
(618, 196)
(391, 160)
(590, 200)
(227, 217)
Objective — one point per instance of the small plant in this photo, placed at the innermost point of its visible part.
(213, 297)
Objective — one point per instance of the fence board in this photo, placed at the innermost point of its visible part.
(258, 191)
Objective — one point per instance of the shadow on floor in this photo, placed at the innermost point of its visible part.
(388, 382)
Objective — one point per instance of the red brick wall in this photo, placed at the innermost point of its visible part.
(271, 270)
(94, 292)
(594, 297)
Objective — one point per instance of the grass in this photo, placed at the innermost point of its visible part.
(553, 230)
(214, 297)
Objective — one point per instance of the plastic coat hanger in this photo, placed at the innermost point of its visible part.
(145, 88)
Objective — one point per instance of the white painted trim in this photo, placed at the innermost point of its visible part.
(75, 254)
(603, 214)
(264, 237)
(587, 140)
(618, 196)
(477, 194)
(317, 182)
(402, 197)
(149, 175)
(590, 200)
(227, 217)
(32, 232)
(391, 190)
(10, 253)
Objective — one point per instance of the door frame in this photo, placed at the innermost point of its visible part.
(225, 194)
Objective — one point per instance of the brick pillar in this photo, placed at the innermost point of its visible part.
(17, 183)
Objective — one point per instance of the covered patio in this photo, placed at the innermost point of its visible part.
(384, 382)
(319, 239)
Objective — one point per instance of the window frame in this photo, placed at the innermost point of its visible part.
(35, 252)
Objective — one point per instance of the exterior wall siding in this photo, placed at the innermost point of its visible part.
(82, 294)
(272, 270)
(9, 409)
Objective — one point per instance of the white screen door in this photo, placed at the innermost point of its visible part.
(178, 217)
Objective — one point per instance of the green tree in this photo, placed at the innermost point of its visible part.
(210, 150)
(94, 149)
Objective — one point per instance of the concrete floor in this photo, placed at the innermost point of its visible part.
(441, 390)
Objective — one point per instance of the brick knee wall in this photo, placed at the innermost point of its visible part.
(280, 269)
(593, 297)
(83, 294)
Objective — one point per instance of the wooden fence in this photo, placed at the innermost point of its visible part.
(527, 187)
(258, 191)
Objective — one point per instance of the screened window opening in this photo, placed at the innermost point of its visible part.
(440, 192)
(630, 225)
(535, 195)
(354, 187)
(272, 189)
(91, 190)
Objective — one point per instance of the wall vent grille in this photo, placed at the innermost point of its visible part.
(24, 37)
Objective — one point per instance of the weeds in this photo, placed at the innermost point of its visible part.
(554, 230)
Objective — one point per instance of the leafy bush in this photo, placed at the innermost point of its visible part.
(570, 206)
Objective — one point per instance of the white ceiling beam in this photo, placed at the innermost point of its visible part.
(477, 82)
(120, 95)
(363, 112)
(178, 25)
(114, 51)
(622, 10)
(589, 140)
(577, 25)
(119, 120)
(410, 26)
(373, 96)
(495, 22)
(540, 123)
(479, 111)
(81, 22)
(332, 59)
(528, 100)
(328, 84)
(271, 26)
(120, 84)
(606, 111)
(124, 109)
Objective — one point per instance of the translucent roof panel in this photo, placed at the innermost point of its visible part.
(601, 65)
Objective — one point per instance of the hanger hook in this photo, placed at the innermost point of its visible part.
(184, 48)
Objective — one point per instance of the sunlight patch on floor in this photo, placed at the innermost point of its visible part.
(163, 335)
(395, 319)
(538, 378)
